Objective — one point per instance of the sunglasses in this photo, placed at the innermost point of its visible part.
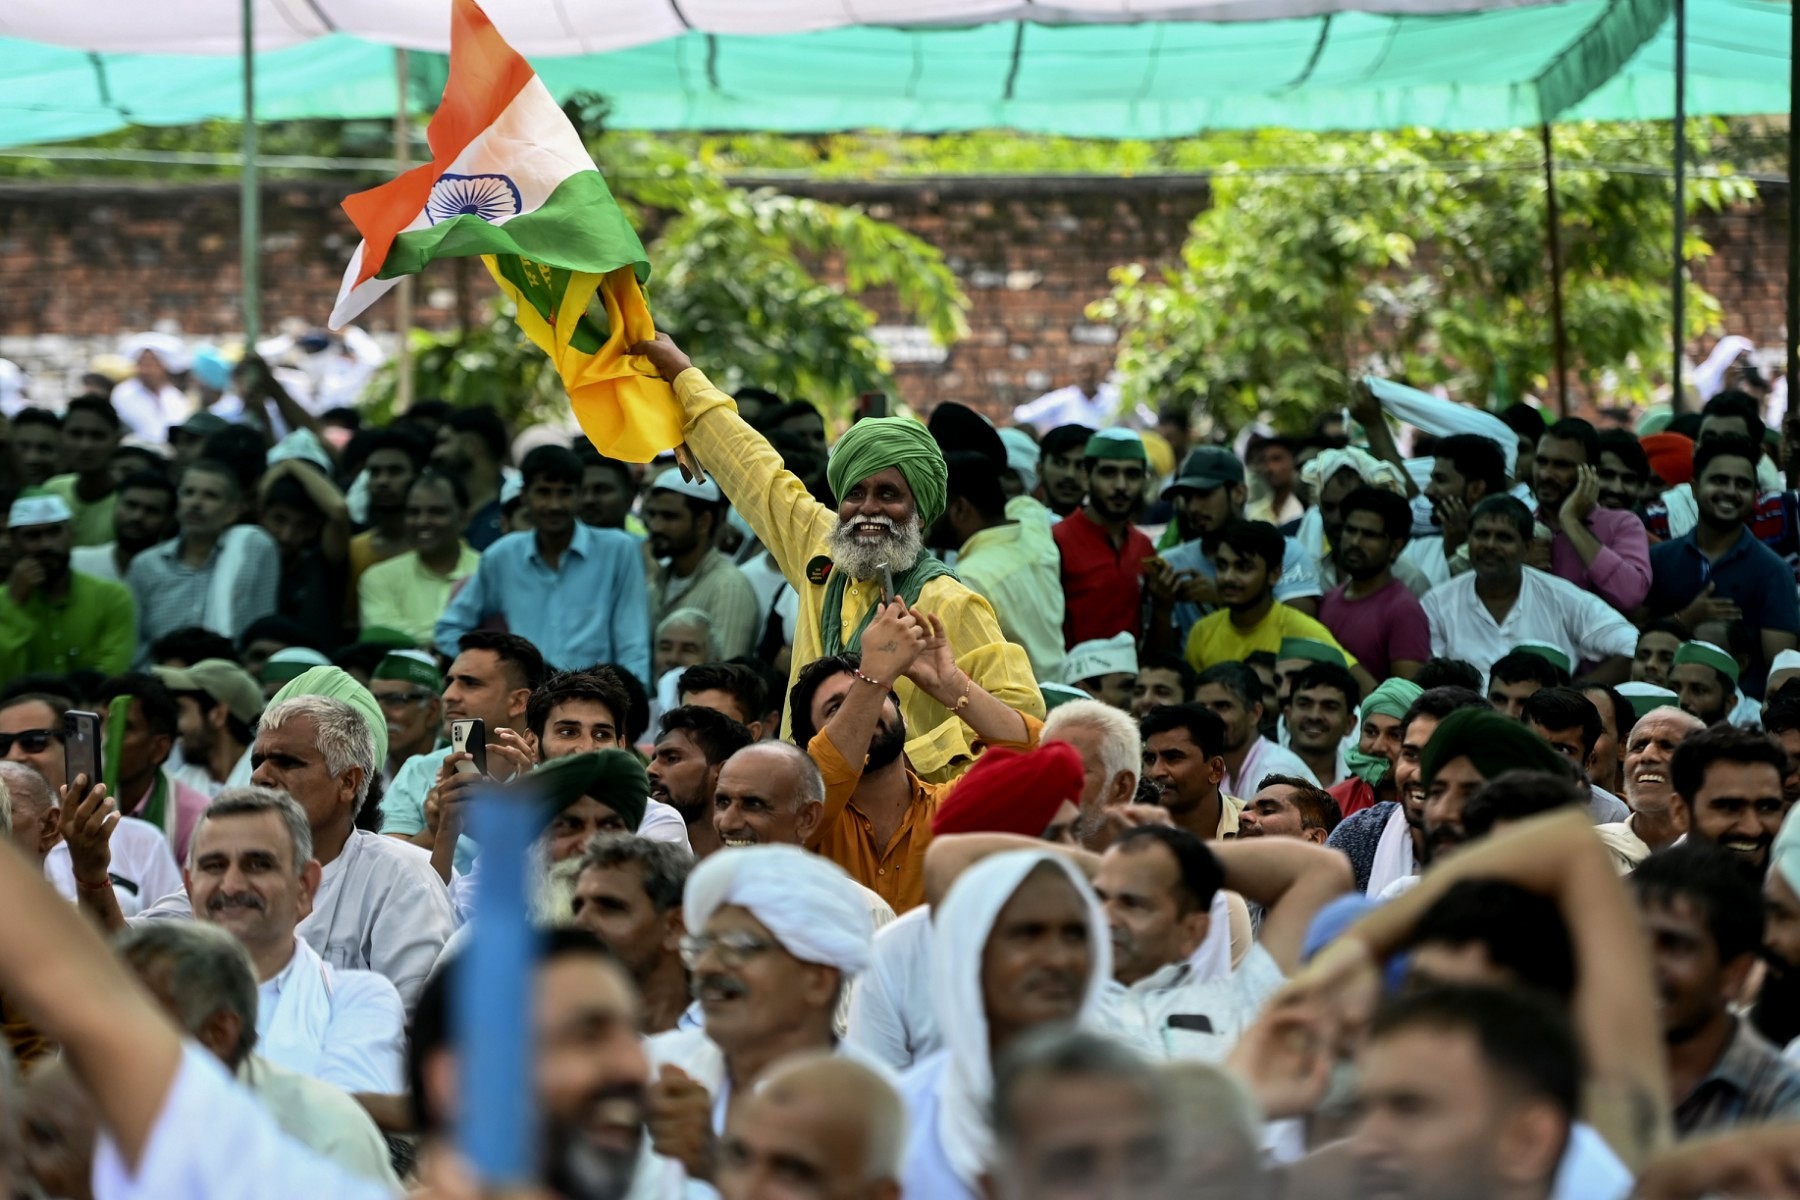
(31, 741)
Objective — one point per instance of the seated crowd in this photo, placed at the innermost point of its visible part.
(959, 813)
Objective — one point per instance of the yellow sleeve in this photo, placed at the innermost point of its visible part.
(1305, 626)
(941, 746)
(789, 522)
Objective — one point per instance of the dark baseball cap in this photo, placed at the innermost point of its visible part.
(1206, 468)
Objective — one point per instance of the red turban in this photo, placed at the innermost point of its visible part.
(1009, 791)
(1671, 457)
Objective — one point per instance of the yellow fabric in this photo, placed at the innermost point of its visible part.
(795, 527)
(1230, 809)
(626, 411)
(1214, 639)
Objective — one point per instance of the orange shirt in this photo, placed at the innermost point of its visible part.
(895, 872)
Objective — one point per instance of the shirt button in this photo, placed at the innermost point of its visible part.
(881, 870)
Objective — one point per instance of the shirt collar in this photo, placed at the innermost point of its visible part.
(1165, 978)
(581, 545)
(1745, 1057)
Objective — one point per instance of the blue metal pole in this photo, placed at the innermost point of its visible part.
(493, 999)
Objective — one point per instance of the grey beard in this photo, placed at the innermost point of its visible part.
(900, 550)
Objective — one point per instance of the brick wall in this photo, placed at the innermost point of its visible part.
(82, 264)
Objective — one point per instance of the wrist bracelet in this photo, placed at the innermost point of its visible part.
(968, 685)
(82, 885)
(868, 680)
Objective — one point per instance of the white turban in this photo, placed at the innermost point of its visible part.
(1787, 660)
(960, 929)
(167, 347)
(809, 905)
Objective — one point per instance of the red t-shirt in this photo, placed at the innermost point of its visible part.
(1102, 586)
(1380, 628)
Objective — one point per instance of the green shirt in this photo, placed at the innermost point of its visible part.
(403, 593)
(94, 626)
(92, 524)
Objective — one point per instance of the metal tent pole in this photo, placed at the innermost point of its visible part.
(403, 302)
(249, 203)
(1678, 293)
(1559, 331)
(1793, 213)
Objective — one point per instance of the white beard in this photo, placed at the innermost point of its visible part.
(900, 549)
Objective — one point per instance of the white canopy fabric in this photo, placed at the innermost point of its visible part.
(565, 27)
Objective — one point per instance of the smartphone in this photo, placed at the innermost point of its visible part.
(470, 736)
(872, 404)
(887, 583)
(81, 746)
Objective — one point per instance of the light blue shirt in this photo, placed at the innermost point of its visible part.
(403, 803)
(593, 608)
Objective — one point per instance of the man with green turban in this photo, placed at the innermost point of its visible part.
(1377, 746)
(1470, 747)
(889, 478)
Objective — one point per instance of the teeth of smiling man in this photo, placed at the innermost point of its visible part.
(737, 843)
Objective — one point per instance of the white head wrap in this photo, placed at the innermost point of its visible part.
(1102, 656)
(809, 905)
(1371, 470)
(960, 929)
(13, 382)
(165, 346)
(1787, 660)
(39, 508)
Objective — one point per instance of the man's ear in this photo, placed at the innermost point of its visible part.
(674, 929)
(811, 813)
(516, 702)
(310, 875)
(1124, 789)
(1215, 770)
(49, 828)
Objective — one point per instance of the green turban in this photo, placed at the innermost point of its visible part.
(1391, 699)
(1312, 649)
(1495, 744)
(613, 777)
(876, 443)
(334, 683)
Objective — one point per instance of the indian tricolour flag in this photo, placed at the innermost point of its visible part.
(510, 180)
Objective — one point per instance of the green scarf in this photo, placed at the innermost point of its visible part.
(1391, 699)
(112, 749)
(907, 586)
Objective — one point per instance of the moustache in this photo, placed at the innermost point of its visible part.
(719, 987)
(222, 902)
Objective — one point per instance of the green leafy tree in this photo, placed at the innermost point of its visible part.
(1421, 256)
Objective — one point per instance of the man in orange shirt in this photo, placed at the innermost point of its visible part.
(877, 818)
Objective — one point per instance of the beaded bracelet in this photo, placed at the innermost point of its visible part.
(968, 683)
(868, 680)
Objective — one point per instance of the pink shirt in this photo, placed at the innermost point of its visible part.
(1379, 628)
(1620, 574)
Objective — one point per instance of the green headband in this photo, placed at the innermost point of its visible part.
(1312, 649)
(877, 443)
(412, 666)
(1646, 696)
(1117, 443)
(382, 635)
(1711, 655)
(1550, 654)
(1495, 744)
(613, 777)
(291, 663)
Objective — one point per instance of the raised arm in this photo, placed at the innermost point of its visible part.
(335, 539)
(1365, 409)
(55, 966)
(937, 674)
(1555, 855)
(1292, 880)
(951, 855)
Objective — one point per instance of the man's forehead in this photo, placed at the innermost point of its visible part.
(476, 662)
(716, 699)
(587, 712)
(613, 879)
(1280, 793)
(887, 476)
(31, 714)
(735, 918)
(1665, 723)
(1171, 739)
(758, 771)
(294, 736)
(243, 831)
(572, 984)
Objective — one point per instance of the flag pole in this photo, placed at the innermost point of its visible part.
(250, 207)
(403, 301)
(1678, 294)
(1559, 332)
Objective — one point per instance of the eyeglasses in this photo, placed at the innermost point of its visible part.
(402, 699)
(733, 949)
(31, 741)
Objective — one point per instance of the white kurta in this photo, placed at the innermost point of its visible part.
(1549, 609)
(381, 907)
(143, 868)
(322, 1118)
(1264, 758)
(345, 1027)
(1174, 1015)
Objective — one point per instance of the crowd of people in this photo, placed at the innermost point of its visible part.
(1075, 809)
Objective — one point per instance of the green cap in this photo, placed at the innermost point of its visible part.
(413, 666)
(613, 777)
(383, 635)
(291, 663)
(1313, 649)
(1554, 655)
(1711, 655)
(1058, 694)
(1117, 443)
(1645, 696)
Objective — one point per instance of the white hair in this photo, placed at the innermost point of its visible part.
(343, 734)
(1121, 746)
(22, 788)
(695, 618)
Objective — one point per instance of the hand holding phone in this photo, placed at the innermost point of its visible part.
(470, 737)
(81, 746)
(887, 583)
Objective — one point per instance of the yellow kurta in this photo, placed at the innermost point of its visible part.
(795, 527)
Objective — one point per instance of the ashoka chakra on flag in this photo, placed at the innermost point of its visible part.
(489, 197)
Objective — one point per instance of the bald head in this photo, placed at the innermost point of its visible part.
(829, 1119)
(1650, 756)
(769, 793)
(788, 768)
(31, 810)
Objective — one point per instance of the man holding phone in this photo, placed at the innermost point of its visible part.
(890, 481)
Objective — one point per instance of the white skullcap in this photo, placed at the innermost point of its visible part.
(1787, 660)
(1102, 656)
(671, 481)
(38, 508)
(1784, 855)
(808, 903)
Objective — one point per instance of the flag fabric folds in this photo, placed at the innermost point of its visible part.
(509, 180)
